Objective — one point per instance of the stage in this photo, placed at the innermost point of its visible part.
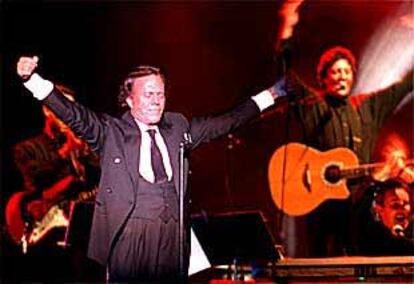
(393, 269)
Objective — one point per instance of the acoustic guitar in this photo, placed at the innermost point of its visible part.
(301, 178)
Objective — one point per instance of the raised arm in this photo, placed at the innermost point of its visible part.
(85, 123)
(385, 101)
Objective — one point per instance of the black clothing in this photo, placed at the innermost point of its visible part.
(353, 122)
(40, 164)
(43, 171)
(373, 238)
(156, 159)
(147, 248)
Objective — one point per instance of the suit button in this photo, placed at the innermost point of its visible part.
(130, 202)
(109, 190)
(117, 160)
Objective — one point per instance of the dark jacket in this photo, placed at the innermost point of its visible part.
(117, 141)
(353, 123)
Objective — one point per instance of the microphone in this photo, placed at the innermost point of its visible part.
(187, 138)
(398, 230)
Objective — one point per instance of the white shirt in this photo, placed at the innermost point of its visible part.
(145, 168)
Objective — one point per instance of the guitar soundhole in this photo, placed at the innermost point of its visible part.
(333, 174)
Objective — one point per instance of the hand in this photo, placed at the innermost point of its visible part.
(279, 88)
(37, 209)
(393, 168)
(26, 66)
(407, 174)
(290, 17)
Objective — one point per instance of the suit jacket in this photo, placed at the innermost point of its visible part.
(117, 141)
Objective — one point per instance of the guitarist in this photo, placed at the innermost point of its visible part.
(56, 167)
(330, 118)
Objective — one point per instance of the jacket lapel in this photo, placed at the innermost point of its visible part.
(132, 142)
(166, 130)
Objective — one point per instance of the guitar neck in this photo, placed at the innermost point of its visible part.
(363, 170)
(358, 172)
(80, 197)
(86, 195)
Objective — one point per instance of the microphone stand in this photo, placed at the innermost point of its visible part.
(228, 179)
(284, 56)
(181, 198)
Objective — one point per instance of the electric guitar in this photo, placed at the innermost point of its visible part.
(28, 234)
(301, 178)
(55, 218)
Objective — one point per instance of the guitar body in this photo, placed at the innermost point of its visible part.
(298, 177)
(14, 219)
(54, 217)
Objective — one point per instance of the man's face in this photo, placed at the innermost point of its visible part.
(339, 79)
(147, 99)
(396, 209)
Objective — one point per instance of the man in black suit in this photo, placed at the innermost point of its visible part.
(135, 229)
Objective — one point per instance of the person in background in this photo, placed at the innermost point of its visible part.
(50, 218)
(329, 117)
(386, 219)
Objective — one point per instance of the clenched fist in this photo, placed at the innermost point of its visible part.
(26, 66)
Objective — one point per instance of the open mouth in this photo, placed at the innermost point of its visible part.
(400, 218)
(341, 86)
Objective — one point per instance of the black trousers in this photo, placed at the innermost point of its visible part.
(147, 251)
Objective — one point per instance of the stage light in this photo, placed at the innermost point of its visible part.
(394, 148)
(389, 54)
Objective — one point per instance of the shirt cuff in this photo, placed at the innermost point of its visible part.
(263, 100)
(39, 87)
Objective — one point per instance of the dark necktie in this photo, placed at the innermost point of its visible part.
(156, 159)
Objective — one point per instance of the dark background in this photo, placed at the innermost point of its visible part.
(215, 54)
